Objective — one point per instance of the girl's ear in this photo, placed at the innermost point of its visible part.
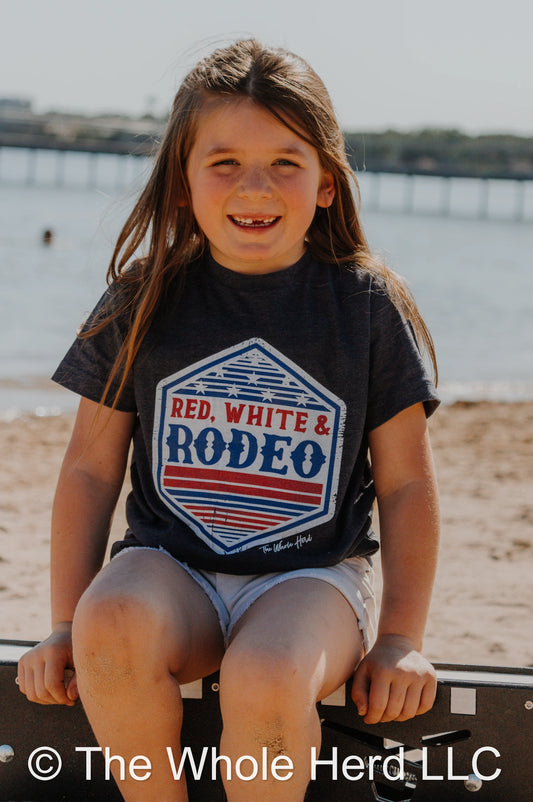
(326, 190)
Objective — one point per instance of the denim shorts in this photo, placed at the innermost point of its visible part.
(232, 594)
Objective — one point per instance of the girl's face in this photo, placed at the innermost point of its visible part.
(254, 185)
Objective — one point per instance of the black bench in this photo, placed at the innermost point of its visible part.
(477, 739)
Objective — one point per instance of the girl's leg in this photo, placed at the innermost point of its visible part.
(143, 627)
(294, 646)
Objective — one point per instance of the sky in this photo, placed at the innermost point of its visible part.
(404, 64)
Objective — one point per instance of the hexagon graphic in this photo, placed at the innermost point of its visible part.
(247, 447)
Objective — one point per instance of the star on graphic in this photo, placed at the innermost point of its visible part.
(219, 373)
(233, 390)
(200, 387)
(255, 358)
(286, 381)
(302, 399)
(268, 394)
(252, 379)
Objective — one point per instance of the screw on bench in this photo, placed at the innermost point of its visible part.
(7, 753)
(473, 783)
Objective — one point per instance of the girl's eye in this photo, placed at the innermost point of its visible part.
(286, 163)
(224, 163)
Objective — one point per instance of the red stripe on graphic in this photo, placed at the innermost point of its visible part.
(222, 487)
(215, 475)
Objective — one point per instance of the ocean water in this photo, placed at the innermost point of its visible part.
(467, 258)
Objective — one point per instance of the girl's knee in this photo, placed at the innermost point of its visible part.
(265, 678)
(108, 617)
(116, 632)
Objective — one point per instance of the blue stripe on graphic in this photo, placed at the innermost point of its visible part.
(245, 504)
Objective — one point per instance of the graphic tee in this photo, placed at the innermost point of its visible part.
(254, 397)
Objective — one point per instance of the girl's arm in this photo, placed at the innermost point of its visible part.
(89, 484)
(394, 681)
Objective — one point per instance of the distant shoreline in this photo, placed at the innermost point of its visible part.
(431, 151)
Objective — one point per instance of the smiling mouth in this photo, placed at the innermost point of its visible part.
(253, 222)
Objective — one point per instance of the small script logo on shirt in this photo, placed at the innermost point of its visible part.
(282, 545)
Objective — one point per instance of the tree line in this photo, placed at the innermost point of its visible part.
(442, 152)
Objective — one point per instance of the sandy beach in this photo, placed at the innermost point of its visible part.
(483, 599)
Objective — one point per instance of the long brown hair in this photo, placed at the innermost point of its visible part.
(162, 220)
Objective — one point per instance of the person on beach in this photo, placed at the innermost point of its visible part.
(47, 236)
(267, 368)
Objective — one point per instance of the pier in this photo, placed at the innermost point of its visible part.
(119, 135)
(123, 144)
(42, 137)
(518, 204)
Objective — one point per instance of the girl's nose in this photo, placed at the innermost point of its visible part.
(255, 183)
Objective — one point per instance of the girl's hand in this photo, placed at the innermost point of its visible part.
(394, 682)
(41, 671)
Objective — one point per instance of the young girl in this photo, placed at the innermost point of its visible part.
(255, 356)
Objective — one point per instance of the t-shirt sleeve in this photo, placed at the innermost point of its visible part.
(86, 366)
(398, 375)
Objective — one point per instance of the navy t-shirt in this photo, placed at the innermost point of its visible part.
(254, 397)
